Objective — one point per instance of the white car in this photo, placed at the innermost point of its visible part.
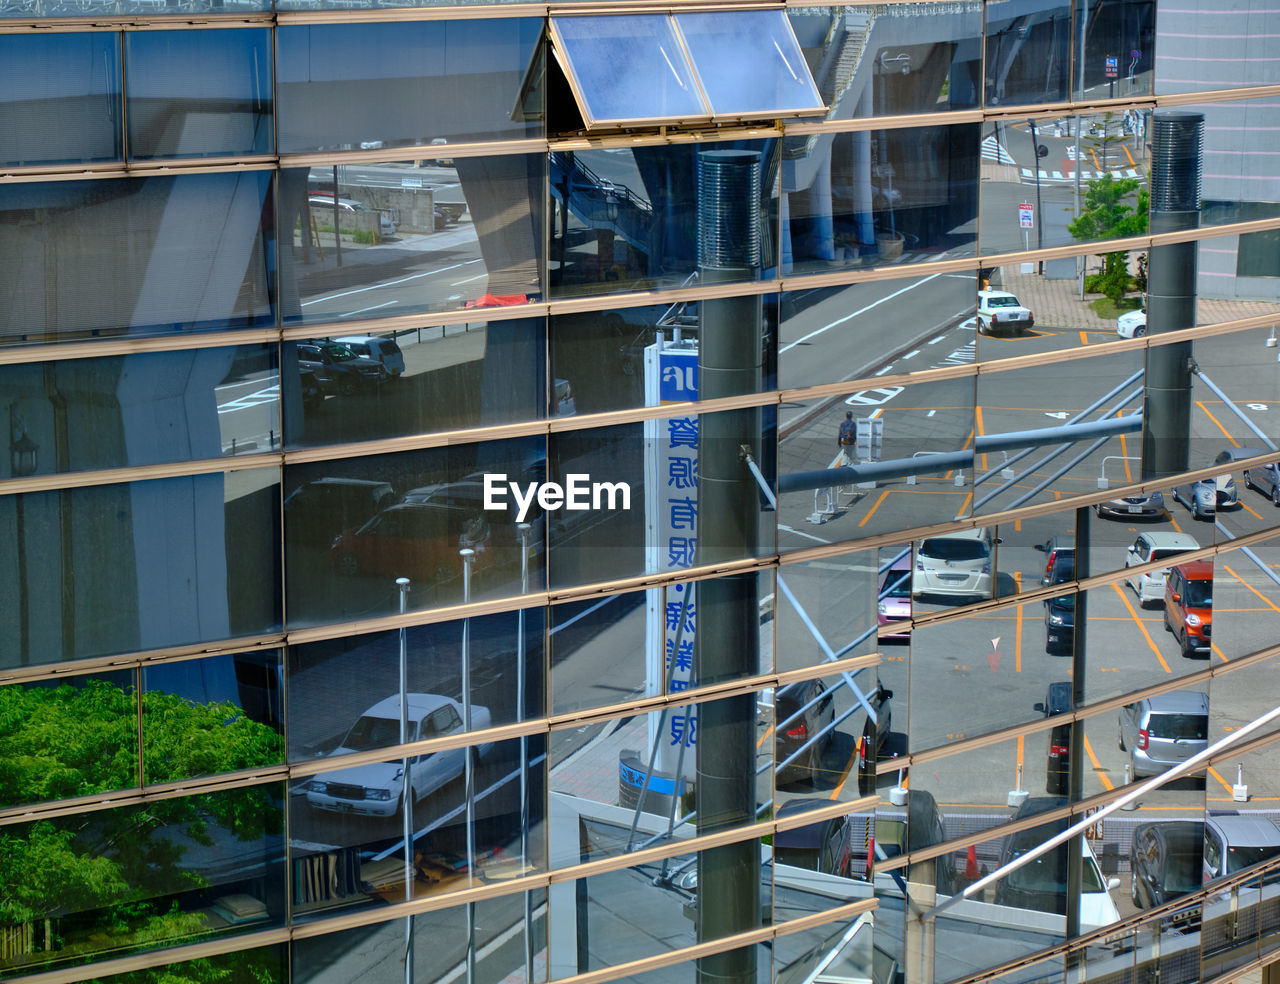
(1000, 312)
(375, 789)
(953, 564)
(1133, 324)
(1149, 587)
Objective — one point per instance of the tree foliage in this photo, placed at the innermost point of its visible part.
(1112, 209)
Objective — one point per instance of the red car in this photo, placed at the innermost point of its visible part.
(1188, 605)
(413, 540)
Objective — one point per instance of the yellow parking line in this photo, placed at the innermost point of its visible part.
(1084, 337)
(1020, 739)
(977, 417)
(1124, 450)
(948, 475)
(1247, 507)
(965, 505)
(1174, 523)
(1201, 405)
(1214, 647)
(844, 776)
(1138, 622)
(1214, 772)
(765, 737)
(1265, 599)
(1132, 162)
(1097, 766)
(871, 512)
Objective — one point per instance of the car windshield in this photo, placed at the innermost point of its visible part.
(1064, 601)
(1198, 594)
(338, 353)
(1182, 873)
(897, 584)
(1243, 857)
(1185, 727)
(1162, 554)
(1009, 301)
(946, 549)
(1047, 873)
(374, 732)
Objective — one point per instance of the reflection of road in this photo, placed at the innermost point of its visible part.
(249, 411)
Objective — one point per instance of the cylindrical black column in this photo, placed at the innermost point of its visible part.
(1177, 149)
(727, 645)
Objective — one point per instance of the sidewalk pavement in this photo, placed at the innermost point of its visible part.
(1057, 304)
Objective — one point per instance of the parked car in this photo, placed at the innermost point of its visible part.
(824, 846)
(894, 606)
(1058, 700)
(379, 348)
(376, 789)
(312, 391)
(1188, 606)
(1000, 312)
(1165, 730)
(1235, 841)
(1261, 478)
(324, 200)
(1041, 885)
(923, 828)
(1060, 623)
(1165, 861)
(1141, 505)
(338, 369)
(1204, 498)
(466, 498)
(1060, 562)
(1132, 324)
(1148, 547)
(317, 511)
(798, 735)
(414, 540)
(954, 564)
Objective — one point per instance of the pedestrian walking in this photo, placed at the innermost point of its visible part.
(847, 436)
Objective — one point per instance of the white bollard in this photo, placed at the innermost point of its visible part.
(1240, 792)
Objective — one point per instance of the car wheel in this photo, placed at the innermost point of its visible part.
(1120, 742)
(1248, 482)
(1139, 331)
(1195, 509)
(347, 387)
(1275, 495)
(1167, 626)
(1182, 644)
(347, 565)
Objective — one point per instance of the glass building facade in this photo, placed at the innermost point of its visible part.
(700, 491)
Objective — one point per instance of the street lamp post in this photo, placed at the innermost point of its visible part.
(1037, 153)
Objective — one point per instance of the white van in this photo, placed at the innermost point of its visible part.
(955, 564)
(379, 348)
(1149, 587)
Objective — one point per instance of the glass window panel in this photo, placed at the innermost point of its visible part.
(595, 646)
(824, 607)
(221, 714)
(61, 98)
(267, 965)
(1235, 278)
(659, 463)
(602, 355)
(633, 219)
(115, 880)
(749, 63)
(420, 380)
(403, 84)
(1093, 393)
(142, 409)
(344, 693)
(164, 538)
(66, 738)
(118, 256)
(1248, 600)
(1208, 48)
(896, 196)
(631, 67)
(396, 241)
(199, 94)
(351, 821)
(1146, 738)
(854, 332)
(819, 866)
(351, 528)
(911, 423)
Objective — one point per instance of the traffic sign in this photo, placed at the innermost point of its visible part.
(1113, 66)
(1026, 215)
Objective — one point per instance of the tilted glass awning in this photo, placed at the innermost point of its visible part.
(655, 69)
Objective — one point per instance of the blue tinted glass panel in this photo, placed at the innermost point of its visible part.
(749, 62)
(134, 256)
(628, 68)
(59, 98)
(199, 93)
(363, 86)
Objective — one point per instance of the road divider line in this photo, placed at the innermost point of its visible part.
(1084, 337)
(1124, 451)
(1138, 622)
(980, 429)
(1265, 599)
(872, 511)
(1227, 433)
(1097, 766)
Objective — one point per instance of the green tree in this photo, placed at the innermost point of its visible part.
(1112, 209)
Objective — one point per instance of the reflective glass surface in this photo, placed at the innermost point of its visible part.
(199, 95)
(143, 409)
(358, 86)
(60, 98)
(165, 538)
(403, 237)
(144, 273)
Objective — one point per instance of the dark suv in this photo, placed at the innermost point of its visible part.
(338, 369)
(1057, 700)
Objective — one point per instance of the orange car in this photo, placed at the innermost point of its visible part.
(1188, 605)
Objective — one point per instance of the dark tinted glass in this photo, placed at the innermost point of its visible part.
(60, 98)
(199, 93)
(146, 408)
(367, 86)
(1178, 726)
(946, 549)
(135, 256)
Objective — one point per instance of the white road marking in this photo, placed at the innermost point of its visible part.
(912, 354)
(390, 283)
(375, 307)
(840, 321)
(802, 533)
(887, 368)
(459, 283)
